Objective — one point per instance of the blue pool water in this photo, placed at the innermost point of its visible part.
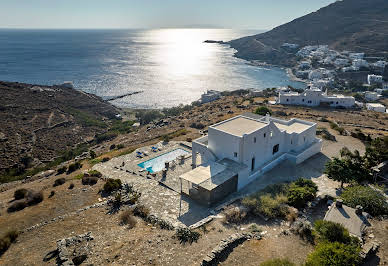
(157, 164)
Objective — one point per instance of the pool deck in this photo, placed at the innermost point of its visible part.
(162, 196)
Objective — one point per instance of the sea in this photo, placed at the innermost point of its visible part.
(167, 66)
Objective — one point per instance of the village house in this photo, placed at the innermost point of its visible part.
(359, 63)
(371, 96)
(315, 97)
(385, 86)
(340, 62)
(210, 96)
(377, 107)
(356, 55)
(375, 79)
(238, 150)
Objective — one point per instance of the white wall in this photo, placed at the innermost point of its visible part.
(224, 145)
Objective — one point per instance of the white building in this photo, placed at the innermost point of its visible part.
(358, 63)
(372, 96)
(290, 45)
(315, 97)
(210, 95)
(380, 64)
(377, 107)
(315, 74)
(375, 79)
(238, 150)
(385, 86)
(304, 65)
(340, 62)
(356, 55)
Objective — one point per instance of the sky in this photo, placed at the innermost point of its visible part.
(238, 14)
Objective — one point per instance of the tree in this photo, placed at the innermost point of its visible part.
(350, 167)
(337, 170)
(334, 254)
(370, 199)
(376, 152)
(262, 110)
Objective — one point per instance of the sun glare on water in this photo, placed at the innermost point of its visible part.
(182, 52)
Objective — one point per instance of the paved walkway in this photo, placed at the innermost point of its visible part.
(164, 202)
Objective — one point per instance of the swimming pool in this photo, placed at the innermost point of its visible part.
(157, 164)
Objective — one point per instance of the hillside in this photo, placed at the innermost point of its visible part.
(40, 122)
(357, 25)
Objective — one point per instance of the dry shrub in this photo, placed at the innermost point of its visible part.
(234, 215)
(59, 181)
(127, 218)
(34, 198)
(20, 193)
(17, 205)
(7, 240)
(31, 198)
(141, 211)
(89, 180)
(71, 186)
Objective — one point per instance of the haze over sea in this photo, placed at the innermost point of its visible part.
(171, 66)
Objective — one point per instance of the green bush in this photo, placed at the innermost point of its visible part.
(59, 181)
(52, 193)
(300, 192)
(112, 185)
(7, 240)
(277, 262)
(262, 110)
(20, 193)
(271, 201)
(71, 186)
(112, 147)
(105, 137)
(62, 170)
(105, 159)
(371, 200)
(89, 180)
(333, 232)
(187, 235)
(141, 211)
(333, 254)
(93, 154)
(95, 173)
(74, 167)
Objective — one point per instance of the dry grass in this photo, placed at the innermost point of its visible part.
(127, 218)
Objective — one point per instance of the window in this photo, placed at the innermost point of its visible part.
(265, 135)
(287, 100)
(253, 164)
(291, 141)
(271, 134)
(302, 100)
(304, 139)
(336, 102)
(235, 154)
(254, 140)
(275, 149)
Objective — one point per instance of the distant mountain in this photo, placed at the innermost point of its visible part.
(356, 25)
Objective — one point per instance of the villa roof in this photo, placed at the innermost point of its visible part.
(295, 127)
(240, 125)
(212, 175)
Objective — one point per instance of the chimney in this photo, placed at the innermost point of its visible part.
(338, 203)
(359, 210)
(267, 116)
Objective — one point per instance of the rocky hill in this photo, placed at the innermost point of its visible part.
(40, 122)
(356, 25)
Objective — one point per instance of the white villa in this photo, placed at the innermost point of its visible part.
(372, 96)
(375, 79)
(315, 97)
(377, 107)
(238, 150)
(210, 95)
